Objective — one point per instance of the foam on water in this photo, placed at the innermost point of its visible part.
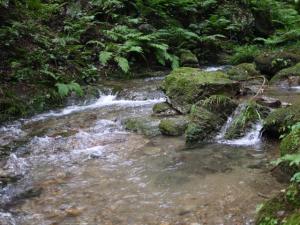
(16, 165)
(11, 132)
(7, 219)
(253, 137)
(103, 101)
(214, 68)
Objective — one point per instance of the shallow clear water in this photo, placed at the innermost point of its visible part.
(80, 166)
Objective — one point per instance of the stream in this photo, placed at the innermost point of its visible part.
(79, 166)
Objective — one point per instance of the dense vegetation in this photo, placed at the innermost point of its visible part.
(50, 48)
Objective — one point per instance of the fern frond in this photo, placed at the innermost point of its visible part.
(122, 63)
(105, 56)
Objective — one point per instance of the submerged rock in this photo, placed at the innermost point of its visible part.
(173, 126)
(270, 63)
(142, 125)
(243, 71)
(289, 76)
(163, 109)
(280, 119)
(186, 86)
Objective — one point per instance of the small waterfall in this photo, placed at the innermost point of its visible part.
(253, 137)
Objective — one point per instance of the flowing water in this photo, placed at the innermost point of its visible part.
(80, 166)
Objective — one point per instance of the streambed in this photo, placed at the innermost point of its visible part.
(80, 166)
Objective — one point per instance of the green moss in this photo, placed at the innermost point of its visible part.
(279, 120)
(291, 143)
(286, 73)
(243, 71)
(281, 209)
(187, 58)
(267, 215)
(293, 219)
(270, 63)
(162, 107)
(173, 126)
(203, 125)
(141, 125)
(186, 86)
(221, 105)
(250, 114)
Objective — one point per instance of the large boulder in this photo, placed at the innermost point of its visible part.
(188, 59)
(243, 72)
(279, 120)
(186, 86)
(270, 63)
(208, 116)
(173, 126)
(203, 125)
(288, 77)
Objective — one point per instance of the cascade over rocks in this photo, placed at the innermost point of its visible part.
(245, 119)
(186, 86)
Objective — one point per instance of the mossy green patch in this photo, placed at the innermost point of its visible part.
(203, 125)
(185, 86)
(279, 120)
(243, 71)
(173, 126)
(286, 73)
(291, 143)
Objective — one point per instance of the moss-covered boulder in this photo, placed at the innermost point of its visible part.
(270, 63)
(245, 119)
(173, 126)
(141, 125)
(188, 59)
(279, 120)
(163, 109)
(281, 209)
(186, 86)
(289, 76)
(203, 125)
(243, 72)
(221, 105)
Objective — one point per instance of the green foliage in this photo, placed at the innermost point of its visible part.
(65, 89)
(216, 101)
(244, 54)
